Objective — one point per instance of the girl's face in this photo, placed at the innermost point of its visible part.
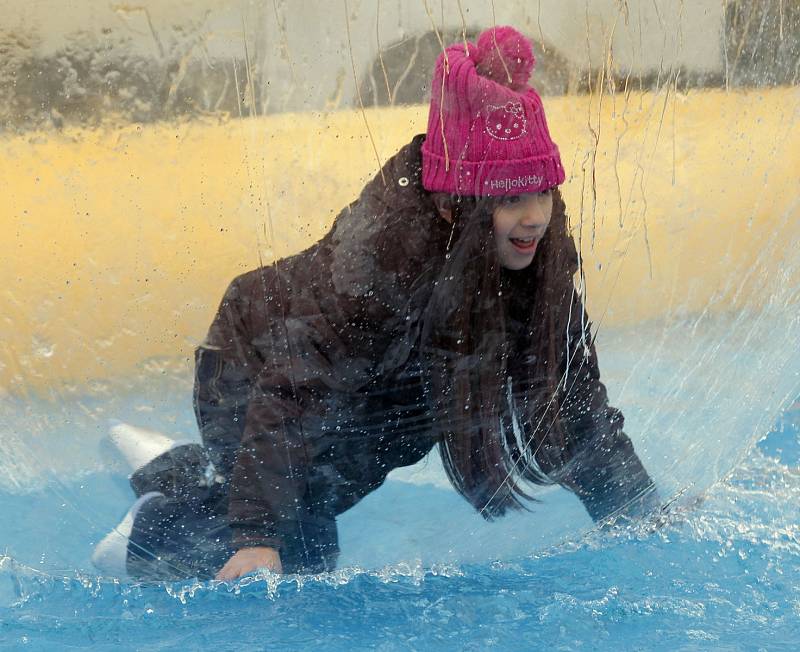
(519, 224)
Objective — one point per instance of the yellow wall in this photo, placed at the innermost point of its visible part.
(118, 243)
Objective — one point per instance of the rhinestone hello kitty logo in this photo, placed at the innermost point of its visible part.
(506, 122)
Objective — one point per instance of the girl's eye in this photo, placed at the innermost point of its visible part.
(510, 199)
(549, 191)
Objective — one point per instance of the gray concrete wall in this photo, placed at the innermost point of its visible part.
(299, 52)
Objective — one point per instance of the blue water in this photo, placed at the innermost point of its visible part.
(722, 575)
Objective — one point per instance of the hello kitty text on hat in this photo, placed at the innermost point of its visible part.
(487, 133)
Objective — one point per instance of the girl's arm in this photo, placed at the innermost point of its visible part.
(270, 475)
(251, 394)
(224, 368)
(602, 467)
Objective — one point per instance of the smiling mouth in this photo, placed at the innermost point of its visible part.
(524, 245)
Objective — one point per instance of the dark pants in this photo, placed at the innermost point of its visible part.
(185, 533)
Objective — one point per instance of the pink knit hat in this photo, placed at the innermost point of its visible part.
(487, 134)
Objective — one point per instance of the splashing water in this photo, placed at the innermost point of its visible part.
(158, 153)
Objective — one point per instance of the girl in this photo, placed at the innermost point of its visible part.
(438, 311)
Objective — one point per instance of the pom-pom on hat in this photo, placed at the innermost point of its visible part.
(487, 133)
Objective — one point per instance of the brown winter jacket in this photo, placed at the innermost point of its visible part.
(309, 375)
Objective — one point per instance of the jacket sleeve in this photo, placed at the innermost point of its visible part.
(601, 468)
(270, 474)
(225, 365)
(283, 426)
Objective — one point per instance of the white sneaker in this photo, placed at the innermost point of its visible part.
(139, 445)
(110, 556)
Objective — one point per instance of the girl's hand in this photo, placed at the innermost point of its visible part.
(247, 560)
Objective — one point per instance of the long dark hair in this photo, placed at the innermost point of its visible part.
(488, 333)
